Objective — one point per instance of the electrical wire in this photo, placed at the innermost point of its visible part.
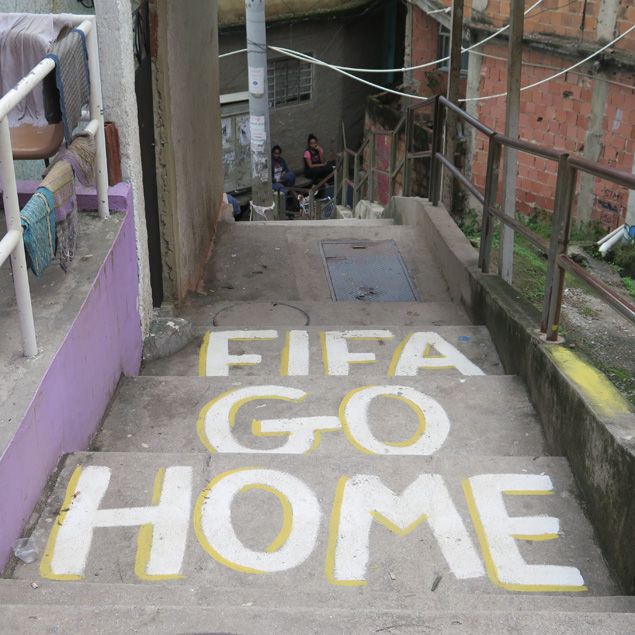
(560, 73)
(419, 66)
(440, 60)
(232, 53)
(317, 62)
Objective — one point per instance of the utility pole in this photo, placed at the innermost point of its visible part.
(261, 193)
(512, 114)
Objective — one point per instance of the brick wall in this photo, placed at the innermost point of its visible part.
(558, 113)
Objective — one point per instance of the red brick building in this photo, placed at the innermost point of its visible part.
(589, 111)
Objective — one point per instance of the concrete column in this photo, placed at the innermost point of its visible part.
(592, 147)
(607, 18)
(512, 115)
(407, 55)
(454, 79)
(475, 63)
(114, 34)
(630, 206)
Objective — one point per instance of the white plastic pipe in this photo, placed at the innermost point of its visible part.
(18, 257)
(607, 245)
(97, 114)
(8, 244)
(609, 235)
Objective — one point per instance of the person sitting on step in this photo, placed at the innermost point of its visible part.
(315, 168)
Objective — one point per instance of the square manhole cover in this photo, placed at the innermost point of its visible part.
(366, 271)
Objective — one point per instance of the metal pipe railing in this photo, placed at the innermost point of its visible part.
(556, 248)
(11, 245)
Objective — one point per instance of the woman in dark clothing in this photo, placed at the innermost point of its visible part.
(281, 175)
(315, 167)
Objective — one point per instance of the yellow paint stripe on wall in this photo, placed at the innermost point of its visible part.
(593, 384)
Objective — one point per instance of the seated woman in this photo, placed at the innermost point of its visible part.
(315, 168)
(282, 178)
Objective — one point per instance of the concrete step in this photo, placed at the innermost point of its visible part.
(485, 415)
(489, 527)
(253, 262)
(313, 351)
(203, 310)
(247, 620)
(327, 223)
(47, 592)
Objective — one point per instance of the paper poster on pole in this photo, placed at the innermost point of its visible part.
(257, 129)
(256, 80)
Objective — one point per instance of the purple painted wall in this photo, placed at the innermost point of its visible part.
(103, 342)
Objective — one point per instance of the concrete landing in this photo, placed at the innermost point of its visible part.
(285, 263)
(163, 414)
(217, 522)
(247, 620)
(312, 351)
(205, 312)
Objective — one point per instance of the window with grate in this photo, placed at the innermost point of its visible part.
(443, 50)
(290, 81)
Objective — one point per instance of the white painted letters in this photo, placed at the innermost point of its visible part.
(363, 498)
(414, 353)
(335, 354)
(498, 533)
(219, 416)
(215, 359)
(432, 427)
(162, 537)
(296, 539)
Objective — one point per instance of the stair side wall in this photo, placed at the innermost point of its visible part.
(103, 342)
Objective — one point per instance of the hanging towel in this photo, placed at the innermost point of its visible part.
(80, 155)
(25, 39)
(71, 77)
(60, 182)
(38, 225)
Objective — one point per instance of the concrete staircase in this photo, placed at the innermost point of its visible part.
(306, 466)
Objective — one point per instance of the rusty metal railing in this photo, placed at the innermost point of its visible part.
(556, 247)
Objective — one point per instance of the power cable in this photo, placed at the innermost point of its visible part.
(558, 74)
(426, 64)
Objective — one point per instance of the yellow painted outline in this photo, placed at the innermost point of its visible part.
(490, 566)
(396, 356)
(200, 423)
(256, 430)
(334, 525)
(202, 354)
(144, 539)
(284, 355)
(287, 515)
(46, 570)
(274, 546)
(593, 384)
(325, 357)
(398, 444)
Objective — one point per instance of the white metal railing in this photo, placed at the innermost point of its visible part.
(11, 244)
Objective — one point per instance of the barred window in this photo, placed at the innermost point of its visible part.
(443, 50)
(290, 81)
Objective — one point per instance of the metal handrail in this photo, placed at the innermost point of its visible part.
(11, 245)
(556, 248)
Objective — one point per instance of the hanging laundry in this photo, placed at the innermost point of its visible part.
(60, 182)
(38, 224)
(25, 39)
(80, 155)
(71, 77)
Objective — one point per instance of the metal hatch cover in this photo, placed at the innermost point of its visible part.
(366, 271)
